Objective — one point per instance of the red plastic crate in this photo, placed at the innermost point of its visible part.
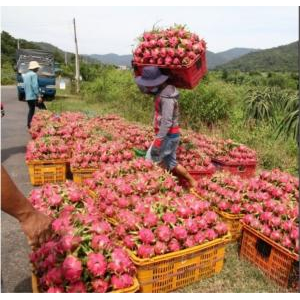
(186, 77)
(197, 175)
(244, 171)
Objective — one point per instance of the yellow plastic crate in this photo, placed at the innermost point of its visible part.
(132, 289)
(233, 222)
(47, 171)
(79, 175)
(168, 272)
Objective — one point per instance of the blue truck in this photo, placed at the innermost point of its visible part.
(46, 74)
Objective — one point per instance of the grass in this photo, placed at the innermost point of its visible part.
(237, 275)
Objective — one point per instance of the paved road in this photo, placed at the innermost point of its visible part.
(15, 268)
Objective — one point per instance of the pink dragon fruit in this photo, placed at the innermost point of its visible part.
(121, 282)
(202, 224)
(255, 224)
(275, 221)
(169, 218)
(70, 242)
(145, 251)
(96, 264)
(55, 289)
(74, 195)
(199, 237)
(121, 262)
(287, 225)
(180, 233)
(99, 285)
(129, 242)
(276, 235)
(55, 200)
(266, 230)
(286, 242)
(150, 220)
(191, 226)
(100, 242)
(146, 236)
(160, 248)
(54, 277)
(221, 228)
(190, 242)
(235, 208)
(248, 219)
(102, 227)
(210, 217)
(173, 245)
(77, 287)
(164, 233)
(210, 234)
(72, 268)
(184, 211)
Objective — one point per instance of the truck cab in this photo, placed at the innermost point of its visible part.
(46, 74)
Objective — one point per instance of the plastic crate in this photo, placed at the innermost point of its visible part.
(233, 222)
(132, 289)
(79, 175)
(168, 272)
(244, 171)
(274, 260)
(47, 171)
(197, 175)
(186, 77)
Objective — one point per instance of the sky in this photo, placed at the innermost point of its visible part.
(102, 30)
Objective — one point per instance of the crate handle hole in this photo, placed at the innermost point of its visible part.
(263, 248)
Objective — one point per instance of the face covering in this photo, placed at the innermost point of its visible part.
(153, 91)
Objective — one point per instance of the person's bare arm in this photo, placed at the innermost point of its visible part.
(35, 225)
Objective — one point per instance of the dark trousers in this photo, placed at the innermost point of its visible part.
(32, 104)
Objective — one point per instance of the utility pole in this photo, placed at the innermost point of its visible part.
(76, 59)
(18, 44)
(66, 59)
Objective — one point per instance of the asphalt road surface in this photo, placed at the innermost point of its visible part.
(15, 268)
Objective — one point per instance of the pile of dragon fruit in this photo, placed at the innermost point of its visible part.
(232, 153)
(147, 204)
(269, 203)
(47, 148)
(276, 213)
(82, 256)
(174, 46)
(194, 159)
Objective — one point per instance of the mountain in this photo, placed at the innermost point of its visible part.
(235, 53)
(113, 59)
(282, 58)
(213, 59)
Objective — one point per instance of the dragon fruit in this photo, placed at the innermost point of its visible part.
(100, 242)
(169, 218)
(191, 226)
(173, 245)
(122, 281)
(129, 242)
(121, 262)
(96, 264)
(164, 233)
(180, 233)
(150, 220)
(146, 236)
(221, 228)
(145, 251)
(160, 248)
(55, 289)
(99, 285)
(77, 287)
(54, 276)
(72, 268)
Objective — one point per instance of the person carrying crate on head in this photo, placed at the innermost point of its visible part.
(166, 121)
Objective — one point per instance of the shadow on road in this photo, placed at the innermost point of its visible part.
(24, 286)
(6, 153)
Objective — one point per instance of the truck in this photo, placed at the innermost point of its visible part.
(46, 74)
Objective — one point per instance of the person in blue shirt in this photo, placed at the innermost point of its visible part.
(31, 88)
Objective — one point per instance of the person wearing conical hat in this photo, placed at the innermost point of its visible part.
(31, 88)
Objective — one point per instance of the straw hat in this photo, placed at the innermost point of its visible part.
(33, 65)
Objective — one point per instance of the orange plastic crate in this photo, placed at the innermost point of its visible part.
(79, 175)
(47, 171)
(132, 289)
(274, 260)
(168, 272)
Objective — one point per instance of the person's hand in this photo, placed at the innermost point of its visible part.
(37, 228)
(156, 149)
(40, 100)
